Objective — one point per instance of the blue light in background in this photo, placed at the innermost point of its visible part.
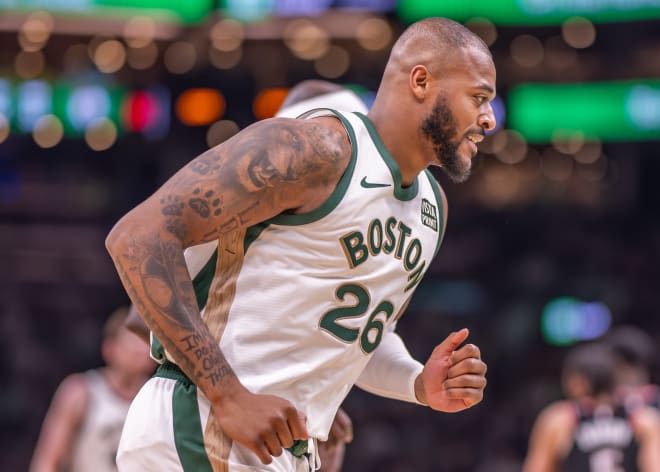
(368, 5)
(301, 7)
(34, 101)
(567, 320)
(5, 99)
(499, 110)
(86, 104)
(248, 10)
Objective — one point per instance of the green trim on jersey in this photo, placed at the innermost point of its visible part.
(441, 211)
(201, 284)
(400, 192)
(252, 233)
(202, 281)
(339, 192)
(156, 348)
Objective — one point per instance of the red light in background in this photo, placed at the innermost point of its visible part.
(147, 112)
(141, 111)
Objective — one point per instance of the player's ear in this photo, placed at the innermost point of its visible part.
(419, 80)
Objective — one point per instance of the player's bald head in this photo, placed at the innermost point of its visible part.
(434, 43)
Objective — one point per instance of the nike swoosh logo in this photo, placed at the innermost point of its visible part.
(366, 184)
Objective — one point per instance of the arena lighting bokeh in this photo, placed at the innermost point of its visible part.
(187, 11)
(568, 320)
(76, 105)
(200, 106)
(570, 214)
(530, 12)
(256, 10)
(268, 101)
(611, 111)
(147, 111)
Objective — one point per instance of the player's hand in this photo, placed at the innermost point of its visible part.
(332, 451)
(265, 424)
(341, 430)
(453, 378)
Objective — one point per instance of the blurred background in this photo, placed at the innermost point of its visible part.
(555, 238)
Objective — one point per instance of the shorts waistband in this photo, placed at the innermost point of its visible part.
(169, 370)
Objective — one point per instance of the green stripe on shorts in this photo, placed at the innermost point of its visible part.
(188, 436)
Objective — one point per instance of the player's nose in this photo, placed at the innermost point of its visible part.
(486, 120)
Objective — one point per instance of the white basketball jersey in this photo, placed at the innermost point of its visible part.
(98, 437)
(300, 302)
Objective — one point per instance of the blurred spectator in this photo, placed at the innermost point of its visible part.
(82, 427)
(590, 431)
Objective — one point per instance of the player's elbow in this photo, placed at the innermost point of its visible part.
(120, 237)
(115, 239)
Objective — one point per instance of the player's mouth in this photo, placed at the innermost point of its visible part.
(473, 139)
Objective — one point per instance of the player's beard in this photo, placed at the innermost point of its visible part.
(440, 127)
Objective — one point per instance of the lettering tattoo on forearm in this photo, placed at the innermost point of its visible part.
(214, 366)
(159, 269)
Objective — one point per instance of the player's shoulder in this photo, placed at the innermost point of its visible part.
(320, 144)
(72, 394)
(326, 131)
(324, 135)
(75, 385)
(558, 415)
(300, 158)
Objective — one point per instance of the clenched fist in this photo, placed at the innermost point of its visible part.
(453, 378)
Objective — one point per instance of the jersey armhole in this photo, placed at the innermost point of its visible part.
(437, 191)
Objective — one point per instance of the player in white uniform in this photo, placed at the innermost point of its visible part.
(84, 422)
(305, 96)
(322, 227)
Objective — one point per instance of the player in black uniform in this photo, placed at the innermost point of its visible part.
(591, 431)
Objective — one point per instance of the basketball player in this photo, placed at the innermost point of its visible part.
(322, 227)
(82, 427)
(304, 96)
(591, 432)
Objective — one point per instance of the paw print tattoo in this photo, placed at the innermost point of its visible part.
(205, 165)
(173, 206)
(203, 205)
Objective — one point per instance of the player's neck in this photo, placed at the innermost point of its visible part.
(405, 154)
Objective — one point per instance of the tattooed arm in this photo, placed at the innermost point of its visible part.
(272, 166)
